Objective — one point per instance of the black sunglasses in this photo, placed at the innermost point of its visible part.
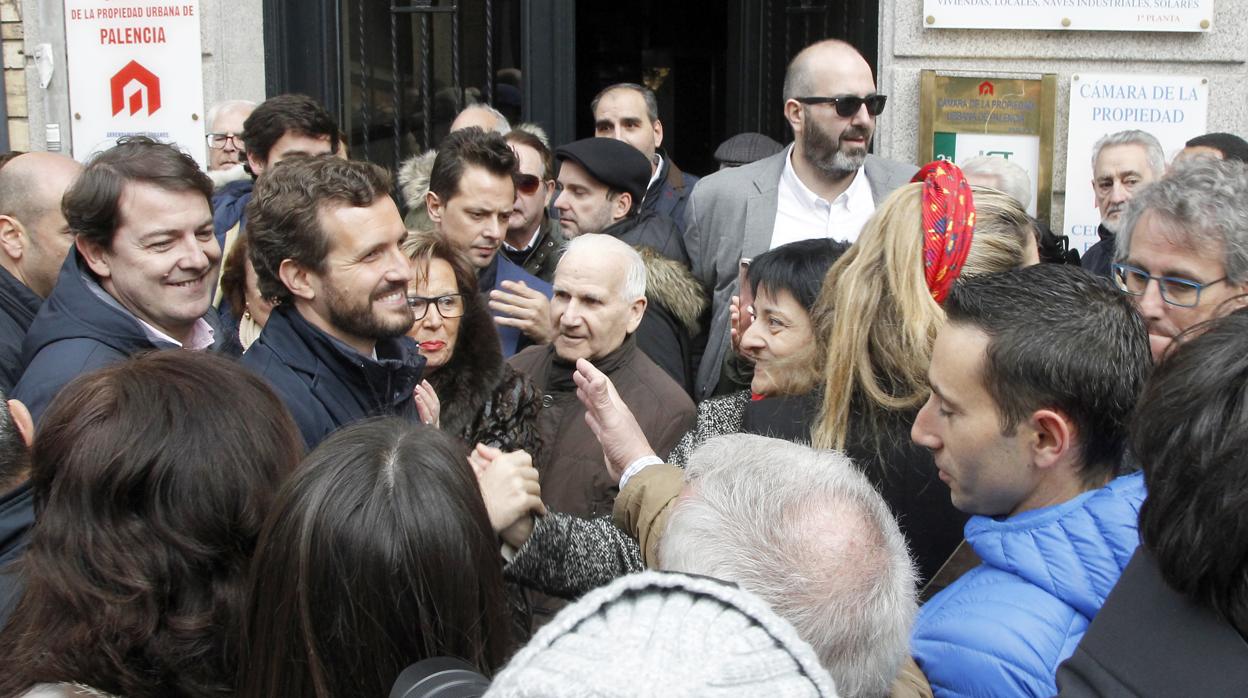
(527, 184)
(849, 105)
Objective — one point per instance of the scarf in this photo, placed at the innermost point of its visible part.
(948, 226)
(559, 377)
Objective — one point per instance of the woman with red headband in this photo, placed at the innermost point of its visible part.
(878, 314)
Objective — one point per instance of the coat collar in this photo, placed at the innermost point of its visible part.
(17, 300)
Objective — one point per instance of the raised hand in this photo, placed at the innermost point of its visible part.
(610, 419)
(525, 309)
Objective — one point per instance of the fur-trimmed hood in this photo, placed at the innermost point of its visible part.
(413, 177)
(671, 284)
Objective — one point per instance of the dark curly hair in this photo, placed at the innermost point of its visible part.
(152, 478)
(283, 216)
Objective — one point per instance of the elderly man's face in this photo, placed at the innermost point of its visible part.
(1119, 171)
(226, 137)
(591, 313)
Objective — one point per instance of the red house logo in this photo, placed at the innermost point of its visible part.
(149, 85)
(986, 88)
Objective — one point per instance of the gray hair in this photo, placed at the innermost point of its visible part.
(1205, 201)
(501, 125)
(1152, 148)
(807, 532)
(1005, 176)
(652, 104)
(533, 130)
(634, 273)
(228, 105)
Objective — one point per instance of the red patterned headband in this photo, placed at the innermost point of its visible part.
(948, 225)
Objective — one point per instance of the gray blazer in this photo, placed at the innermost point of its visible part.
(731, 215)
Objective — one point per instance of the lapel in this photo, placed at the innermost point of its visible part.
(760, 207)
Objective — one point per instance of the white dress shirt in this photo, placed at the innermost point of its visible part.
(803, 215)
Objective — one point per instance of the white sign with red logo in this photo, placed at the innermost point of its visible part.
(134, 69)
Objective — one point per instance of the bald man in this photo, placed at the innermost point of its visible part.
(484, 117)
(599, 302)
(824, 185)
(34, 239)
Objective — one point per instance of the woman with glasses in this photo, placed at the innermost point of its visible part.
(482, 399)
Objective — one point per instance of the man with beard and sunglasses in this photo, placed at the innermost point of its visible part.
(324, 236)
(824, 185)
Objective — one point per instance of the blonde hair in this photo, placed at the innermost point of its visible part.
(875, 318)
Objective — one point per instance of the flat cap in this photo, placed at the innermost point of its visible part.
(744, 148)
(616, 164)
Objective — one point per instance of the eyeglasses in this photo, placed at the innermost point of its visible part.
(217, 141)
(448, 306)
(527, 184)
(1181, 292)
(849, 105)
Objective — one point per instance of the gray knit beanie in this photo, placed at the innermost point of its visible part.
(665, 634)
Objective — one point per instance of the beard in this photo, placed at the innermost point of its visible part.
(362, 320)
(834, 159)
(1114, 225)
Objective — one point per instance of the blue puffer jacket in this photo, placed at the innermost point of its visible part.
(1002, 629)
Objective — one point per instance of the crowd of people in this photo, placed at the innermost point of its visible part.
(568, 421)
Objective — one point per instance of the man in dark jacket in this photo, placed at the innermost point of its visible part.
(471, 197)
(17, 507)
(1176, 623)
(140, 273)
(533, 240)
(602, 181)
(629, 112)
(34, 240)
(599, 302)
(324, 237)
(282, 125)
(1122, 163)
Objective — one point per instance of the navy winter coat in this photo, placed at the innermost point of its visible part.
(17, 515)
(77, 331)
(18, 306)
(326, 384)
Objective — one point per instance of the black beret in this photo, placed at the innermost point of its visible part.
(616, 164)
